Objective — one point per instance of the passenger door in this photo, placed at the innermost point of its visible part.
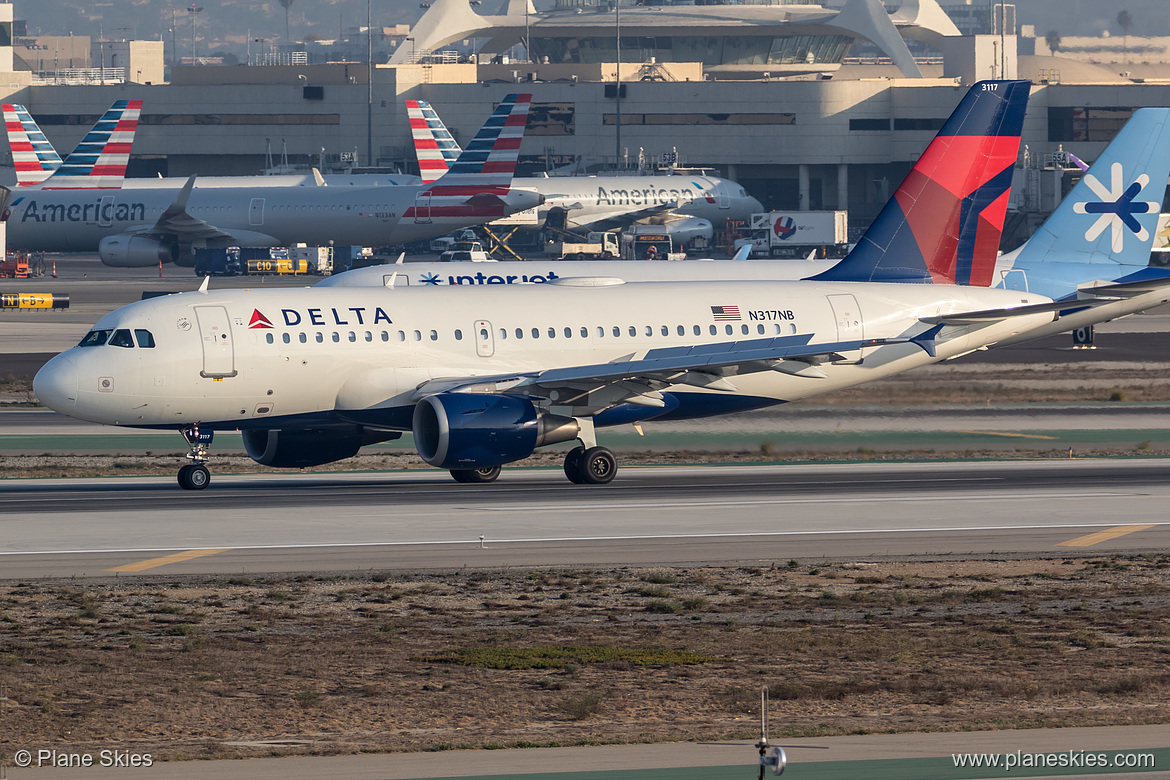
(219, 354)
(422, 208)
(256, 211)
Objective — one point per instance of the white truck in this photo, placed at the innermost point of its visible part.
(797, 233)
(598, 246)
(465, 252)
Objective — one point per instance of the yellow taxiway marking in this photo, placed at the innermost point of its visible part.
(1103, 536)
(154, 563)
(1013, 435)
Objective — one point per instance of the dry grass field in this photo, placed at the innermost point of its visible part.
(184, 667)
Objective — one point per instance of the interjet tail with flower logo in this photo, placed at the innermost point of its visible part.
(1104, 230)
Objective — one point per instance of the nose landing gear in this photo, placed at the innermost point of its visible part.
(195, 475)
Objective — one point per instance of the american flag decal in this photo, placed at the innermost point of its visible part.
(725, 313)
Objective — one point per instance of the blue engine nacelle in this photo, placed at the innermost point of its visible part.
(301, 447)
(471, 431)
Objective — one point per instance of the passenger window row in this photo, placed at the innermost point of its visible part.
(599, 332)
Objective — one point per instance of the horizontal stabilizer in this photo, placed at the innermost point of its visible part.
(995, 315)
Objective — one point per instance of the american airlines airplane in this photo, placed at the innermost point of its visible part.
(483, 376)
(594, 202)
(134, 228)
(35, 159)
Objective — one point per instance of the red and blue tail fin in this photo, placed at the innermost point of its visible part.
(434, 146)
(944, 222)
(99, 161)
(489, 161)
(33, 156)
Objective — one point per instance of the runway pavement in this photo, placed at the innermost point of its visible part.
(533, 518)
(875, 757)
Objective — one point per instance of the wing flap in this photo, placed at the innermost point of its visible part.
(639, 379)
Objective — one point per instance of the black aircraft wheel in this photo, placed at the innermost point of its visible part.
(198, 477)
(598, 466)
(573, 469)
(184, 472)
(476, 476)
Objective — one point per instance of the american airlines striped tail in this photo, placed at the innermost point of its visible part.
(32, 154)
(490, 159)
(481, 177)
(99, 161)
(944, 222)
(436, 150)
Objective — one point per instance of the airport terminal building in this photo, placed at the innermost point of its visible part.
(785, 114)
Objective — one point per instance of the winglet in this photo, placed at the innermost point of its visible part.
(203, 287)
(944, 222)
(743, 253)
(318, 179)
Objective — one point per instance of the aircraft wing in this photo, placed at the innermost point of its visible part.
(175, 222)
(640, 379)
(619, 220)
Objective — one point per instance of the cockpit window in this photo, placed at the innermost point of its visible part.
(121, 338)
(95, 338)
(145, 339)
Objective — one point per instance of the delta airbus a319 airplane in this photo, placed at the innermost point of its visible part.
(141, 227)
(483, 376)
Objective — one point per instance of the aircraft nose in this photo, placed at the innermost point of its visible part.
(56, 383)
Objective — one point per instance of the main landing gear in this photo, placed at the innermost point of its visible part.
(589, 464)
(195, 476)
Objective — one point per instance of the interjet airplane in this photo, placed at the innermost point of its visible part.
(483, 376)
(596, 202)
(142, 227)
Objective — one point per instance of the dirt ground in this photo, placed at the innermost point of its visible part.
(182, 667)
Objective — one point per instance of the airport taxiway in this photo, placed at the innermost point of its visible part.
(533, 517)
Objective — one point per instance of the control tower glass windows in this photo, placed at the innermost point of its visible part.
(711, 50)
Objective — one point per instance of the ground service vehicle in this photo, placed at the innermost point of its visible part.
(598, 246)
(796, 233)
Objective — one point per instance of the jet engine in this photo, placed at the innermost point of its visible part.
(135, 251)
(300, 447)
(471, 431)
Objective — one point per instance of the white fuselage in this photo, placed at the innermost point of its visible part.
(538, 271)
(588, 200)
(77, 220)
(276, 180)
(263, 358)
